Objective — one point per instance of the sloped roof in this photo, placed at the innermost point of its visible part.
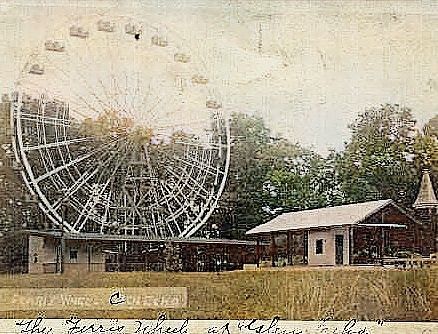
(350, 214)
(426, 196)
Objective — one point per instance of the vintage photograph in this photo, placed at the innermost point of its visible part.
(218, 159)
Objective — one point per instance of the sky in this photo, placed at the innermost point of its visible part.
(307, 67)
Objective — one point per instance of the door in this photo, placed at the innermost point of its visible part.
(339, 249)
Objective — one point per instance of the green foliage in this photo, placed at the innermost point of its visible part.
(426, 150)
(431, 128)
(299, 178)
(378, 162)
(271, 173)
(383, 159)
(246, 175)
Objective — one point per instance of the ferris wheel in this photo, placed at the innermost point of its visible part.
(116, 121)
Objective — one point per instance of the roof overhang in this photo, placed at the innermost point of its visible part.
(382, 225)
(135, 238)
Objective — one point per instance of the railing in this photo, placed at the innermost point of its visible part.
(411, 262)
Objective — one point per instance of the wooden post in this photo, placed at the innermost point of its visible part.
(305, 247)
(293, 247)
(350, 245)
(258, 253)
(273, 250)
(382, 245)
(288, 248)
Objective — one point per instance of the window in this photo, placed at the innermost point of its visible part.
(73, 255)
(319, 246)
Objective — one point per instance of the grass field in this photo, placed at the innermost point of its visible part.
(299, 293)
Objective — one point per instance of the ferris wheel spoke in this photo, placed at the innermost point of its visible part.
(199, 144)
(135, 208)
(57, 144)
(145, 98)
(110, 97)
(154, 111)
(105, 218)
(102, 190)
(179, 125)
(45, 119)
(192, 162)
(45, 154)
(195, 186)
(103, 150)
(189, 175)
(67, 165)
(182, 208)
(170, 210)
(83, 179)
(152, 176)
(84, 80)
(60, 168)
(137, 94)
(60, 71)
(124, 94)
(63, 134)
(75, 187)
(84, 103)
(187, 184)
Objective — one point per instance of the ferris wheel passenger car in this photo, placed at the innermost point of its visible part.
(56, 46)
(181, 57)
(106, 26)
(36, 69)
(211, 104)
(159, 41)
(132, 29)
(80, 32)
(199, 79)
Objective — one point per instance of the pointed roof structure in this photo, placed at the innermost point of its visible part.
(426, 196)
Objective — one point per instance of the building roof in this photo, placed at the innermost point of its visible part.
(351, 214)
(138, 238)
(426, 196)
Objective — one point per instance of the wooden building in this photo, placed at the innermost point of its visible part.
(54, 252)
(361, 233)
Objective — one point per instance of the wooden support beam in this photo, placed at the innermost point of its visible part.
(305, 246)
(273, 249)
(289, 262)
(382, 244)
(293, 247)
(350, 245)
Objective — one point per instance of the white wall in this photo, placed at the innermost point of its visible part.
(44, 250)
(328, 257)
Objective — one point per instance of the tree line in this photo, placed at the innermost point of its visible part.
(383, 158)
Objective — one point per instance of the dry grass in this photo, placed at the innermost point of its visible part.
(299, 294)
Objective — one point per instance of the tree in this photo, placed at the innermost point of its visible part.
(378, 162)
(242, 197)
(299, 178)
(431, 128)
(271, 175)
(426, 149)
